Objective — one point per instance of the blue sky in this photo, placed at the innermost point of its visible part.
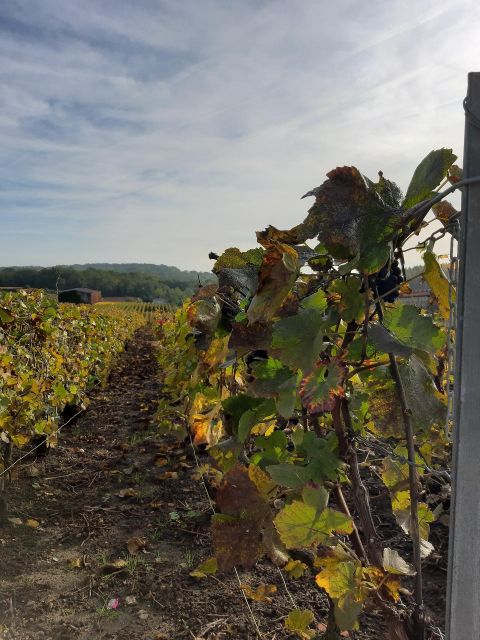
(159, 130)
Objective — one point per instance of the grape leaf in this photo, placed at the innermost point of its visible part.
(349, 217)
(351, 304)
(289, 475)
(444, 211)
(428, 175)
(239, 532)
(298, 340)
(301, 526)
(317, 301)
(276, 277)
(251, 417)
(438, 283)
(272, 379)
(387, 342)
(394, 563)
(406, 323)
(262, 593)
(319, 388)
(233, 258)
(298, 622)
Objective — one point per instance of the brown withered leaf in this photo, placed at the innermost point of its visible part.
(236, 541)
(238, 495)
(349, 216)
(246, 337)
(127, 493)
(244, 531)
(444, 211)
(277, 275)
(136, 544)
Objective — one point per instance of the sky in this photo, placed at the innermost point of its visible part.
(159, 130)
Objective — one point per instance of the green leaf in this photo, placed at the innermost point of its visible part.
(407, 324)
(251, 417)
(233, 258)
(272, 379)
(317, 301)
(301, 526)
(298, 622)
(428, 175)
(386, 342)
(209, 567)
(298, 340)
(235, 406)
(273, 448)
(289, 475)
(316, 497)
(323, 463)
(426, 405)
(351, 305)
(5, 316)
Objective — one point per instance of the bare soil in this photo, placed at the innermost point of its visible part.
(113, 483)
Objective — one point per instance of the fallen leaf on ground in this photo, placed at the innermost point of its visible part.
(33, 524)
(261, 593)
(208, 567)
(127, 493)
(136, 544)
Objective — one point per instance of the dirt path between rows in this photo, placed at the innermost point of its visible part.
(122, 521)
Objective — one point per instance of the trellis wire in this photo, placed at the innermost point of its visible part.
(452, 325)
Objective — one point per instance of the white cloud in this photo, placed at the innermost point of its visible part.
(157, 131)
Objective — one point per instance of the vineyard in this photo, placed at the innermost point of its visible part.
(149, 310)
(270, 460)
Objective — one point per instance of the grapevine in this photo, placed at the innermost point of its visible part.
(300, 359)
(50, 356)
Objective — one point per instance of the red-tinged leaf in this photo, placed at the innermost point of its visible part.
(444, 211)
(319, 389)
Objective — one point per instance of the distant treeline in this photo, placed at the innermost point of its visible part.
(173, 276)
(110, 282)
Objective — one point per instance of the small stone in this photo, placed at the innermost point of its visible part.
(131, 600)
(142, 614)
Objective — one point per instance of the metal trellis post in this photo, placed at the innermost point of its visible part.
(463, 594)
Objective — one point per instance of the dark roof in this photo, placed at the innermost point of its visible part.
(81, 289)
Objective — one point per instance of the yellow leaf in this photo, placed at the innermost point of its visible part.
(33, 524)
(298, 622)
(261, 593)
(438, 283)
(262, 481)
(75, 563)
(295, 568)
(209, 567)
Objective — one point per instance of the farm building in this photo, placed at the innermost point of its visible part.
(421, 298)
(80, 296)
